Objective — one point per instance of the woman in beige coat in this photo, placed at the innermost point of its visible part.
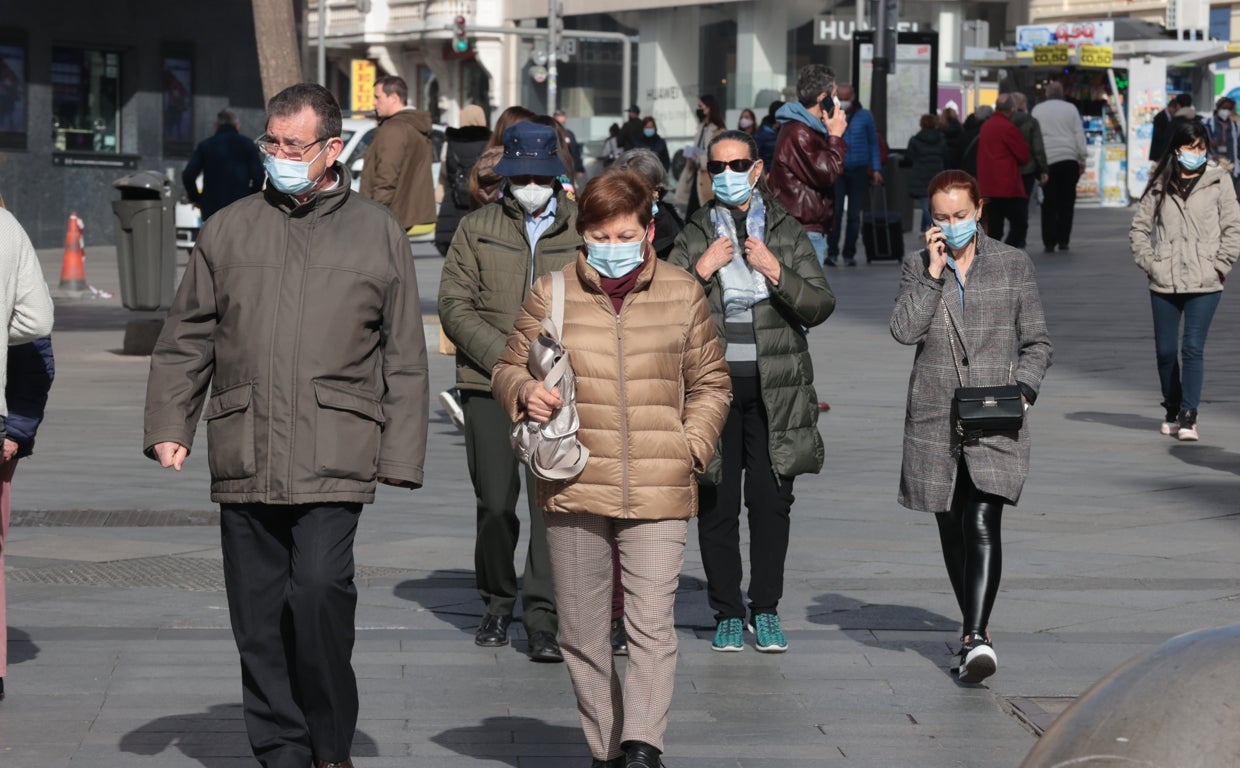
(652, 394)
(1186, 236)
(694, 187)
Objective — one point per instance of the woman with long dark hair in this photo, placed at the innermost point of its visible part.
(970, 304)
(1186, 236)
(765, 286)
(694, 185)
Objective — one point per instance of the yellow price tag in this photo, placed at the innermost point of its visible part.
(1096, 55)
(1050, 55)
(362, 89)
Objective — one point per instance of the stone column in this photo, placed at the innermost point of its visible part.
(761, 56)
(668, 79)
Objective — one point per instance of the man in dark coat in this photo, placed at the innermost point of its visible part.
(229, 164)
(1162, 130)
(631, 131)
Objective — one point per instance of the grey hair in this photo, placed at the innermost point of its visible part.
(1054, 90)
(646, 163)
(812, 80)
(984, 111)
(1004, 103)
(295, 98)
(1020, 100)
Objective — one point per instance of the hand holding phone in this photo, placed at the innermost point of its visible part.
(936, 246)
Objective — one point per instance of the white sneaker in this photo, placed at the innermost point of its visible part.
(453, 408)
(1188, 433)
(1169, 428)
(977, 661)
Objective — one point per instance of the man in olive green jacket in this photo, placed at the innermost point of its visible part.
(496, 254)
(300, 311)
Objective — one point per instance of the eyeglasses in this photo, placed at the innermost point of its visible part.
(740, 165)
(289, 151)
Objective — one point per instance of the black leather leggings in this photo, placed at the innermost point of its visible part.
(972, 550)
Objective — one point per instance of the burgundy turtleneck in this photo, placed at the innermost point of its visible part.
(618, 287)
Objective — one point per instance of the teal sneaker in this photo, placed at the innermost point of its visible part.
(770, 637)
(729, 636)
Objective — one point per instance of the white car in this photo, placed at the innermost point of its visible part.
(357, 134)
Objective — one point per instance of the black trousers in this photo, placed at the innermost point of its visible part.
(972, 549)
(1015, 211)
(288, 571)
(1059, 203)
(496, 476)
(768, 500)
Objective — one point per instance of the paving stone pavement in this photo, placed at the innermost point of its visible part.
(120, 652)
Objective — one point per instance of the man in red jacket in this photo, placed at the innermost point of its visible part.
(809, 154)
(1001, 151)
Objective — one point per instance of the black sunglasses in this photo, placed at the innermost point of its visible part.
(740, 165)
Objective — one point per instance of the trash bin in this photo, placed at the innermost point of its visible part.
(145, 240)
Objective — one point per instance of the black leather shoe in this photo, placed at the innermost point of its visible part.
(619, 638)
(493, 631)
(615, 762)
(639, 754)
(543, 647)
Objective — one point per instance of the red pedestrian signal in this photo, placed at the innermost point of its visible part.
(460, 41)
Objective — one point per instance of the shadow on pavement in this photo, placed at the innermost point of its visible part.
(451, 595)
(1124, 420)
(1207, 456)
(495, 736)
(21, 646)
(861, 621)
(214, 738)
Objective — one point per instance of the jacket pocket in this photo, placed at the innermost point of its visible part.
(230, 433)
(347, 430)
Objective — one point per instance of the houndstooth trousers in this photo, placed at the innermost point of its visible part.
(652, 553)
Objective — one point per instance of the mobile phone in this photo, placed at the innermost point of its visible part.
(829, 104)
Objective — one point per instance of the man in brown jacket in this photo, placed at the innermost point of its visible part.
(809, 154)
(397, 168)
(300, 311)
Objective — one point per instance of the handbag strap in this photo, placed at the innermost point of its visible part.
(951, 342)
(553, 326)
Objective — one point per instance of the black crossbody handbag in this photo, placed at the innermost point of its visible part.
(981, 410)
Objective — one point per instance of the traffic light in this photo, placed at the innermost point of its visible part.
(460, 42)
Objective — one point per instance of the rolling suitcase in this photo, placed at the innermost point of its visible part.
(882, 231)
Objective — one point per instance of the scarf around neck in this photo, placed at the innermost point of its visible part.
(743, 286)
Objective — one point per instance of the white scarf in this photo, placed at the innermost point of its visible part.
(743, 286)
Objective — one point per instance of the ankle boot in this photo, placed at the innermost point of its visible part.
(639, 754)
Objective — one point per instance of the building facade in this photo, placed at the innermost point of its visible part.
(91, 91)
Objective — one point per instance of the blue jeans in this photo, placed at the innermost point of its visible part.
(849, 187)
(819, 241)
(1181, 361)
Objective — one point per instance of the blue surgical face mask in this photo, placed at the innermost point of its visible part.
(614, 259)
(292, 177)
(731, 187)
(958, 235)
(654, 208)
(648, 133)
(1191, 160)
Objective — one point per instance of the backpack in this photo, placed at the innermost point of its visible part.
(458, 179)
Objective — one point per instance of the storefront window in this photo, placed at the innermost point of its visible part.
(86, 100)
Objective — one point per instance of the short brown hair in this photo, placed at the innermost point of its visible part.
(946, 181)
(393, 85)
(614, 192)
(928, 121)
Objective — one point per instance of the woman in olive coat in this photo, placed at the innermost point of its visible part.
(765, 287)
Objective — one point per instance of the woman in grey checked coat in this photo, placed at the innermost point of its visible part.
(970, 304)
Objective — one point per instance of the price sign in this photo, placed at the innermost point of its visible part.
(1096, 55)
(1050, 56)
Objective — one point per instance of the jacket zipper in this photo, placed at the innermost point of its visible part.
(624, 413)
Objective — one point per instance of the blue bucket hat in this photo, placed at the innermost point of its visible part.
(530, 150)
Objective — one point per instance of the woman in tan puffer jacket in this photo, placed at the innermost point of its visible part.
(1186, 236)
(652, 394)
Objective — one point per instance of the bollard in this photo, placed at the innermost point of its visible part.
(1174, 707)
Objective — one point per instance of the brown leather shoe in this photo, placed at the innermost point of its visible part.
(346, 763)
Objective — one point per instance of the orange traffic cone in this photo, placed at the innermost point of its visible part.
(73, 268)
